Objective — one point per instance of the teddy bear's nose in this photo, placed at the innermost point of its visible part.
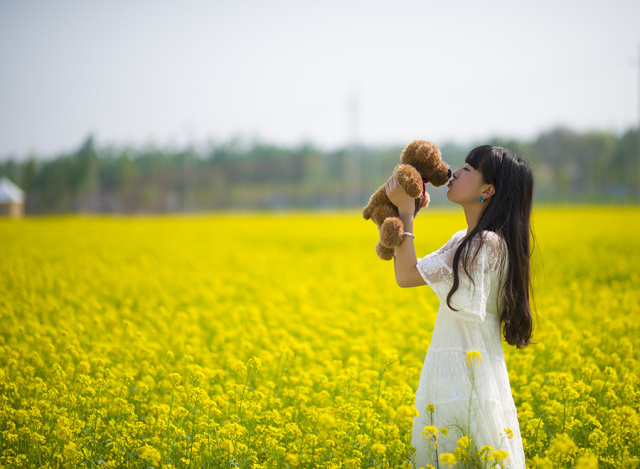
(449, 174)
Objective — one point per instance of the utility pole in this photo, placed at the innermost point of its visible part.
(638, 128)
(353, 177)
(188, 164)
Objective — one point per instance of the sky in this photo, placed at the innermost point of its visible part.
(170, 73)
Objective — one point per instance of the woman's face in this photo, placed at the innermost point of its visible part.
(466, 185)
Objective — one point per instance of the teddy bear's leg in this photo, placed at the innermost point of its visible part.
(391, 232)
(385, 253)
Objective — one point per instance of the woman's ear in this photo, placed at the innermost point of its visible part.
(488, 191)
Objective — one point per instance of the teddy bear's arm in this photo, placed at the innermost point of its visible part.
(410, 180)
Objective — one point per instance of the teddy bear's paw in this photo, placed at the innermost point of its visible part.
(367, 212)
(391, 232)
(410, 180)
(385, 253)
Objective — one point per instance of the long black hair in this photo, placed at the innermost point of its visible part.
(508, 214)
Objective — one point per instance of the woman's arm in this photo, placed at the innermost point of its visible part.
(405, 262)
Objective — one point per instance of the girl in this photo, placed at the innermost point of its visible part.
(481, 276)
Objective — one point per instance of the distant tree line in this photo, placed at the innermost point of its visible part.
(569, 167)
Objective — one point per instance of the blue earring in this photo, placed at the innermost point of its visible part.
(480, 199)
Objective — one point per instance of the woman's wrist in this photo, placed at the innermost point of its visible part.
(407, 221)
(406, 214)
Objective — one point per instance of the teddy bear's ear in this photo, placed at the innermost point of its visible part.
(439, 174)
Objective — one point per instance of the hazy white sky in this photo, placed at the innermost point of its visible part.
(284, 71)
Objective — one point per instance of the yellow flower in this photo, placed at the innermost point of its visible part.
(292, 459)
(255, 363)
(150, 455)
(562, 448)
(587, 461)
(390, 358)
(197, 377)
(485, 453)
(226, 445)
(352, 463)
(499, 455)
(542, 463)
(175, 379)
(326, 420)
(473, 357)
(448, 459)
(629, 462)
(430, 432)
(71, 450)
(461, 451)
(406, 412)
(464, 442)
(378, 448)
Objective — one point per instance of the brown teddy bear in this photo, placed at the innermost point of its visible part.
(421, 162)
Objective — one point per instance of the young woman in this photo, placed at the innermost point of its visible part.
(482, 278)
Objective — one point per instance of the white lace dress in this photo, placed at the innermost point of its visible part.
(467, 400)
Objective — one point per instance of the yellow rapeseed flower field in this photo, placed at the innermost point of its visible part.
(282, 341)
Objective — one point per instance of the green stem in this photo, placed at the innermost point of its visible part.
(195, 411)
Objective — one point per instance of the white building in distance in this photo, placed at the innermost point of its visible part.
(11, 199)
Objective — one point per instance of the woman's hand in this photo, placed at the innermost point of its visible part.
(398, 197)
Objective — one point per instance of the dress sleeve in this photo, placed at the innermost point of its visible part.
(436, 267)
(472, 297)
